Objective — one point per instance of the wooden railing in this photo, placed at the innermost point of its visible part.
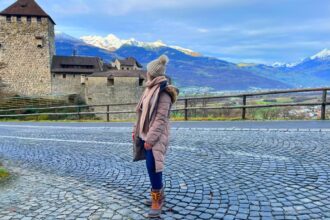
(79, 109)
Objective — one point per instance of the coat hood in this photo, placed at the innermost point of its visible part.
(173, 92)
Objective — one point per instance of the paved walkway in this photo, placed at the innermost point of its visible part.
(214, 171)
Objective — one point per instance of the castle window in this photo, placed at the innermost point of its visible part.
(40, 41)
(140, 82)
(39, 19)
(19, 18)
(64, 76)
(122, 68)
(8, 18)
(111, 82)
(127, 68)
(54, 75)
(28, 19)
(23, 4)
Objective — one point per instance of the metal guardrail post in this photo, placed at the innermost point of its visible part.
(204, 110)
(108, 114)
(324, 104)
(244, 109)
(78, 113)
(186, 110)
(56, 116)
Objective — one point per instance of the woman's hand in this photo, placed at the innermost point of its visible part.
(147, 146)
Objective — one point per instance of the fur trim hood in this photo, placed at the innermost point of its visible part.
(173, 92)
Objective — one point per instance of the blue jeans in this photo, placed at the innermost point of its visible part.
(156, 179)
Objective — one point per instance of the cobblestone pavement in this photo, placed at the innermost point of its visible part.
(85, 172)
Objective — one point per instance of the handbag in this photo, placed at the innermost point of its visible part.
(138, 149)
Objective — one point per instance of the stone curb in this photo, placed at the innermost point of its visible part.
(257, 129)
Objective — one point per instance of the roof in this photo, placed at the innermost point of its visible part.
(76, 64)
(121, 73)
(130, 61)
(25, 8)
(108, 66)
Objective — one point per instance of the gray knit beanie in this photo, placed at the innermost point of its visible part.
(157, 67)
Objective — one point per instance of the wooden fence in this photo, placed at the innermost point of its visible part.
(80, 110)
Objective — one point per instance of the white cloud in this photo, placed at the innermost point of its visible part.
(267, 28)
(124, 7)
(71, 7)
(262, 47)
(202, 30)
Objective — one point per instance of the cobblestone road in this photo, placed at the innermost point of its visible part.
(85, 172)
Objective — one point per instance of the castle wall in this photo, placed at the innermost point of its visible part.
(67, 83)
(26, 50)
(124, 90)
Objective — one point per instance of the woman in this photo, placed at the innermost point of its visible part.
(151, 131)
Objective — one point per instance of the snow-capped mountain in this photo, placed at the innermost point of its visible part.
(322, 55)
(188, 72)
(313, 71)
(112, 43)
(280, 65)
(205, 72)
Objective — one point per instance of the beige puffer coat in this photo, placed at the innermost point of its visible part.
(159, 129)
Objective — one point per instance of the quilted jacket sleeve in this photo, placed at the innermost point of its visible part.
(161, 119)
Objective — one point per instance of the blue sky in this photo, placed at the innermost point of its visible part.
(235, 30)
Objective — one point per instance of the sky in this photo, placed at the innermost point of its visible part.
(259, 31)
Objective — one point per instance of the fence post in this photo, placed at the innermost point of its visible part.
(108, 114)
(78, 113)
(323, 107)
(186, 110)
(56, 116)
(244, 109)
(204, 110)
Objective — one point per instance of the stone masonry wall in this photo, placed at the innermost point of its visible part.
(71, 84)
(124, 90)
(27, 70)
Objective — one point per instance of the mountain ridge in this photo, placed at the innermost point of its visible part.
(207, 74)
(112, 42)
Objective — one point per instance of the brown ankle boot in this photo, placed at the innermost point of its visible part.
(157, 203)
(148, 201)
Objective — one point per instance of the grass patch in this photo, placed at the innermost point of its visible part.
(4, 174)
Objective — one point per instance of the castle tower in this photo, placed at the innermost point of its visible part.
(27, 45)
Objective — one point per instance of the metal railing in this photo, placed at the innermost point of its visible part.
(244, 96)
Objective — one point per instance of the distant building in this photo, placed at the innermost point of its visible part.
(69, 73)
(115, 87)
(129, 63)
(95, 81)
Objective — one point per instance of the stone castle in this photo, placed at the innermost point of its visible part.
(29, 66)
